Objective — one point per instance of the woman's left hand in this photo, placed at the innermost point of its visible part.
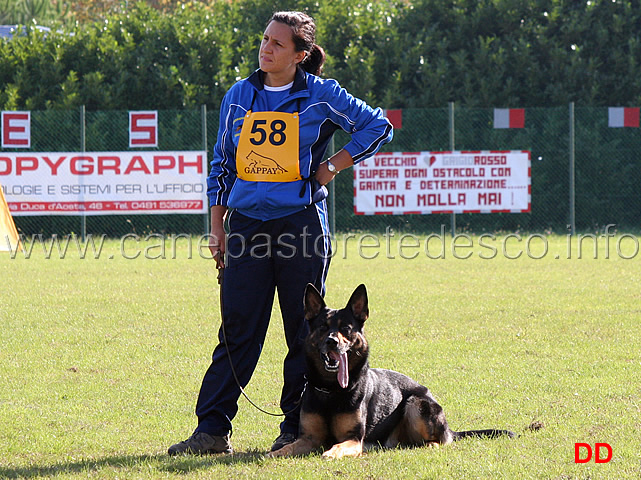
(323, 175)
(341, 161)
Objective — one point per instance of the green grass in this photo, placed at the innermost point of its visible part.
(101, 361)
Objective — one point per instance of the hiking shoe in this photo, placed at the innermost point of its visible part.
(282, 440)
(201, 443)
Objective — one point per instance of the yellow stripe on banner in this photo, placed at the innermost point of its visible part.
(9, 240)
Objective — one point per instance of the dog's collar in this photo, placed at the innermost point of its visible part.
(323, 390)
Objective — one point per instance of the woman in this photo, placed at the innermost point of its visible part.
(267, 181)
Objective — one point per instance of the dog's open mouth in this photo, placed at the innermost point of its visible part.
(337, 362)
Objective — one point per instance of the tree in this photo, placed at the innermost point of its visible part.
(28, 12)
(393, 53)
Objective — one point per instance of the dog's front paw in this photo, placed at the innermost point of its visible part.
(283, 452)
(302, 446)
(345, 449)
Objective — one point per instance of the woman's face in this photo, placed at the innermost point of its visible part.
(277, 55)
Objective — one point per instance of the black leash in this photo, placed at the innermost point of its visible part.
(231, 364)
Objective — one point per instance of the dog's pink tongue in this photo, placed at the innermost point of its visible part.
(343, 375)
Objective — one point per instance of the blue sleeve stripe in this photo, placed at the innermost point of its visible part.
(374, 146)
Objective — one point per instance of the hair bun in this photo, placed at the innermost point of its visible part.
(314, 60)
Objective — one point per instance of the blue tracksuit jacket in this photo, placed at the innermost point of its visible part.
(324, 107)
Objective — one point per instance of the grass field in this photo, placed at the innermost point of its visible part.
(101, 359)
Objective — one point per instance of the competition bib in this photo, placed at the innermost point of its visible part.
(268, 147)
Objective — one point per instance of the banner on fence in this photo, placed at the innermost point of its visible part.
(403, 183)
(104, 183)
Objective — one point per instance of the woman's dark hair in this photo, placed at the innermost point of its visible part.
(304, 36)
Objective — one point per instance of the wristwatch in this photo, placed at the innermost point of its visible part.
(331, 167)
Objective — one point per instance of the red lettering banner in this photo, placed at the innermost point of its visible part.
(402, 183)
(100, 183)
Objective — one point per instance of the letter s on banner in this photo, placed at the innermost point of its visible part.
(143, 129)
(16, 129)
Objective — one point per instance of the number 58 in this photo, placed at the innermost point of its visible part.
(276, 133)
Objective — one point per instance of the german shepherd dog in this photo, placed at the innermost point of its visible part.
(347, 405)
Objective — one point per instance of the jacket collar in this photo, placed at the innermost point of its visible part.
(257, 80)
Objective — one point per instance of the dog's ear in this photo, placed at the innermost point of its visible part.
(358, 303)
(314, 303)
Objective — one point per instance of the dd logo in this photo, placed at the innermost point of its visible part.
(588, 453)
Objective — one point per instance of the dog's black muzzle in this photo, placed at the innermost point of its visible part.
(330, 351)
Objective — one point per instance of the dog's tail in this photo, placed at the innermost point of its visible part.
(489, 433)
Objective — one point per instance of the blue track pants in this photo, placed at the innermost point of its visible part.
(264, 257)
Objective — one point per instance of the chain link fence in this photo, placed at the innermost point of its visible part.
(584, 173)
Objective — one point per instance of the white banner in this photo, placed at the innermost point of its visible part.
(403, 183)
(104, 183)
